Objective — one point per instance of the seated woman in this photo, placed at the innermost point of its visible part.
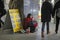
(29, 22)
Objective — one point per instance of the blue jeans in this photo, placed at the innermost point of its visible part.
(43, 26)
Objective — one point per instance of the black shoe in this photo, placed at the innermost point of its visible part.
(56, 32)
(48, 32)
(42, 34)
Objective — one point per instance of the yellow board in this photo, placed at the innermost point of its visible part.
(15, 19)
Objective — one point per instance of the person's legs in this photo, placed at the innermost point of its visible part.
(43, 26)
(3, 12)
(32, 29)
(47, 27)
(57, 24)
(0, 23)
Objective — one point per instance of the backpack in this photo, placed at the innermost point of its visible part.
(58, 12)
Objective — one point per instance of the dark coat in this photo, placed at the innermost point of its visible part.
(57, 5)
(2, 10)
(1, 4)
(46, 12)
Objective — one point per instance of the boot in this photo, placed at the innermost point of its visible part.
(48, 32)
(42, 34)
(56, 32)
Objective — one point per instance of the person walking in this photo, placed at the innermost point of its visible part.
(56, 11)
(46, 12)
(2, 11)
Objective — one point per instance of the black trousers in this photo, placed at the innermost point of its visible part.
(31, 25)
(57, 23)
(43, 26)
(32, 28)
(1, 22)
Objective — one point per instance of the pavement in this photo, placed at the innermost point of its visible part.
(32, 36)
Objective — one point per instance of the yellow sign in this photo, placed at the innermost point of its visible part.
(15, 19)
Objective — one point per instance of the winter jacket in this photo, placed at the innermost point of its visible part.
(56, 7)
(46, 12)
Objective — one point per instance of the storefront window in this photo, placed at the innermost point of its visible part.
(31, 6)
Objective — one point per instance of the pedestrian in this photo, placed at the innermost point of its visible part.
(2, 11)
(56, 11)
(46, 12)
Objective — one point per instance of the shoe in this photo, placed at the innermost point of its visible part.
(56, 32)
(48, 32)
(0, 29)
(42, 34)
